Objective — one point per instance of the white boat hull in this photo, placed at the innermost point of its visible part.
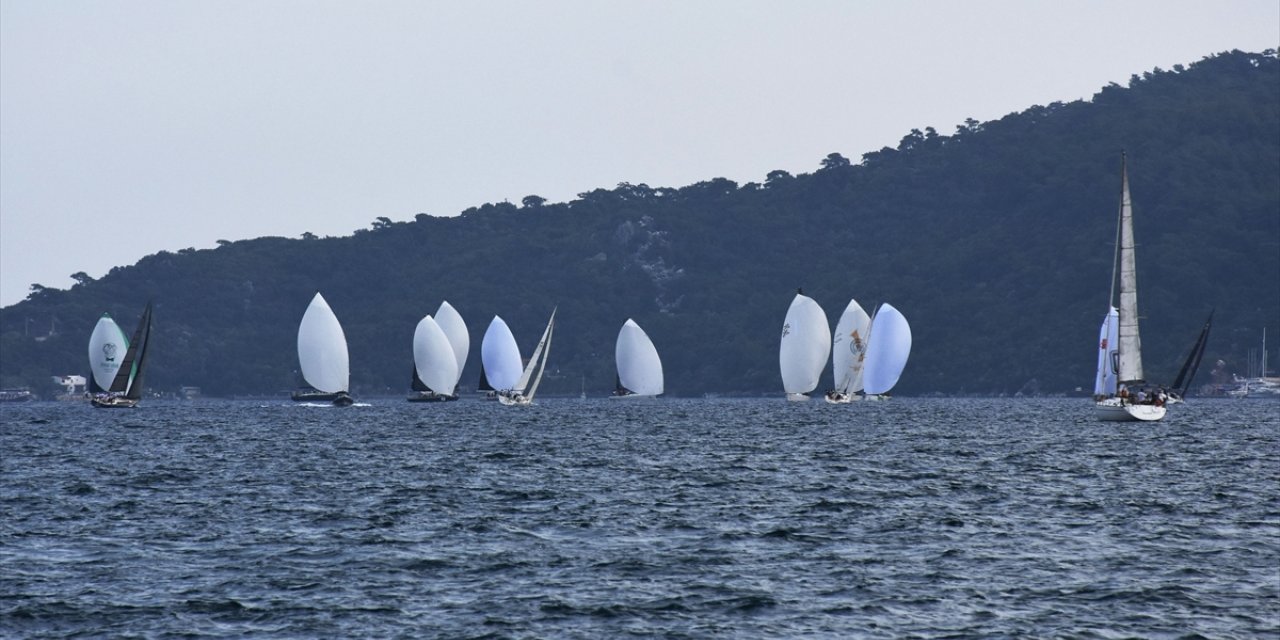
(1112, 410)
(513, 400)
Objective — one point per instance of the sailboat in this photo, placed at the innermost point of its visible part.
(639, 367)
(435, 367)
(1129, 400)
(1189, 366)
(1257, 384)
(848, 347)
(500, 365)
(806, 342)
(888, 348)
(526, 387)
(322, 355)
(125, 389)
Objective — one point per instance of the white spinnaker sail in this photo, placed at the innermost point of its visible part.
(455, 330)
(433, 357)
(639, 367)
(848, 345)
(322, 348)
(887, 350)
(806, 343)
(107, 346)
(1108, 358)
(500, 355)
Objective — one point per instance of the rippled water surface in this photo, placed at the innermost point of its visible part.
(671, 518)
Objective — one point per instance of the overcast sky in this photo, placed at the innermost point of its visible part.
(127, 128)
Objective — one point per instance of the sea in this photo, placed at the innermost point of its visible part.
(668, 518)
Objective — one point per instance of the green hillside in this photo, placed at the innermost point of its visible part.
(995, 241)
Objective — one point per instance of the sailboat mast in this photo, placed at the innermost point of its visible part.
(1263, 372)
(1115, 259)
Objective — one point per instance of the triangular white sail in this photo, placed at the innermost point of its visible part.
(806, 342)
(433, 357)
(107, 346)
(500, 355)
(322, 348)
(534, 360)
(887, 350)
(540, 355)
(455, 330)
(639, 367)
(1130, 344)
(1105, 383)
(848, 346)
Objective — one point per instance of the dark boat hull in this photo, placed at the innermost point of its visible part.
(113, 402)
(317, 396)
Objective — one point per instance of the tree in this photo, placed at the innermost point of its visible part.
(834, 161)
(80, 277)
(775, 177)
(381, 222)
(532, 201)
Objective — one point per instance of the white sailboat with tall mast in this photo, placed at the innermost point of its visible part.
(1129, 400)
(848, 347)
(435, 366)
(806, 343)
(639, 367)
(125, 389)
(499, 359)
(527, 386)
(322, 356)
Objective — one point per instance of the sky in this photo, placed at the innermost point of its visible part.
(132, 127)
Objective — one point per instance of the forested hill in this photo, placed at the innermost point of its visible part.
(995, 241)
